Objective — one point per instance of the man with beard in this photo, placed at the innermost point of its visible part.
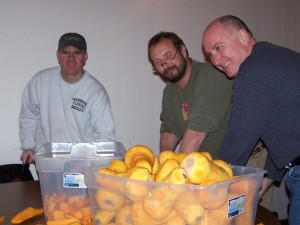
(196, 99)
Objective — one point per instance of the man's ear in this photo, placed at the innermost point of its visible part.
(57, 52)
(86, 56)
(183, 51)
(244, 37)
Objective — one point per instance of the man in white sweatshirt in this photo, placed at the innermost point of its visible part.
(64, 103)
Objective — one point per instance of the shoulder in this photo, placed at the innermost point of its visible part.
(266, 56)
(266, 50)
(205, 69)
(205, 73)
(46, 73)
(93, 84)
(44, 76)
(263, 45)
(92, 80)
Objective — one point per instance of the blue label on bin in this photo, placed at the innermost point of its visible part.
(236, 206)
(73, 180)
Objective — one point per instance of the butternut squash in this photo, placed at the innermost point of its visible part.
(137, 191)
(69, 221)
(139, 216)
(103, 217)
(159, 203)
(219, 216)
(25, 215)
(188, 208)
(60, 206)
(175, 220)
(108, 200)
(200, 168)
(114, 185)
(138, 152)
(118, 166)
(249, 187)
(58, 215)
(167, 166)
(169, 154)
(123, 216)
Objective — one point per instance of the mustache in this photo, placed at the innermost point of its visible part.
(167, 70)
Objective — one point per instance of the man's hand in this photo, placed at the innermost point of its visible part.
(265, 186)
(192, 141)
(27, 156)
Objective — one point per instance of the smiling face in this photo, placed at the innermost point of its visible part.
(71, 61)
(226, 46)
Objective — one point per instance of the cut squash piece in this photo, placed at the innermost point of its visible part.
(26, 214)
(167, 166)
(137, 152)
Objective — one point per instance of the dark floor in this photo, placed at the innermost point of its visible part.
(284, 222)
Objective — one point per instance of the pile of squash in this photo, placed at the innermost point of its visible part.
(63, 209)
(123, 197)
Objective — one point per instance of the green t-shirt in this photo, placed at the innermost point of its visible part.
(203, 105)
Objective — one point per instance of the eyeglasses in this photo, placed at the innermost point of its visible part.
(158, 64)
(67, 53)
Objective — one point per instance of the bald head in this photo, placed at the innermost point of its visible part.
(227, 41)
(232, 21)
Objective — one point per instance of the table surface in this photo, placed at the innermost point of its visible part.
(16, 196)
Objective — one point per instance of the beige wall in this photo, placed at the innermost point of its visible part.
(117, 33)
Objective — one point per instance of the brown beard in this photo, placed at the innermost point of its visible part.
(167, 70)
(180, 73)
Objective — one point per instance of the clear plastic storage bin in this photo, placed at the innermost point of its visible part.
(60, 170)
(125, 201)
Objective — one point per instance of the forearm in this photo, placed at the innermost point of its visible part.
(168, 141)
(192, 141)
(28, 124)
